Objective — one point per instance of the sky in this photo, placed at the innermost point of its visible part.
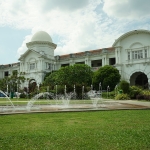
(74, 25)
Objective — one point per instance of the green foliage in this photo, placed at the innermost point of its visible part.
(51, 80)
(134, 91)
(124, 85)
(122, 97)
(47, 74)
(60, 89)
(107, 75)
(75, 74)
(22, 95)
(78, 75)
(108, 95)
(12, 81)
(145, 94)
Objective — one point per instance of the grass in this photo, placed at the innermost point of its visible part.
(16, 101)
(106, 130)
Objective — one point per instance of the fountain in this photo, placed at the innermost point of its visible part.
(100, 89)
(35, 98)
(6, 106)
(94, 96)
(66, 98)
(60, 102)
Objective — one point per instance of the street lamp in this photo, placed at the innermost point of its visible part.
(108, 89)
(100, 89)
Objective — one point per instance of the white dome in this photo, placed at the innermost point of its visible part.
(41, 36)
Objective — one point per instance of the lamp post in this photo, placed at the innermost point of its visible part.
(38, 86)
(27, 85)
(116, 90)
(82, 91)
(65, 91)
(100, 89)
(108, 89)
(56, 91)
(7, 89)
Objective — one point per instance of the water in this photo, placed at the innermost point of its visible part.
(36, 97)
(57, 101)
(95, 97)
(8, 106)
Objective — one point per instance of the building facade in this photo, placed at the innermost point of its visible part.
(130, 54)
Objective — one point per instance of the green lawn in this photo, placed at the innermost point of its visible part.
(16, 101)
(99, 130)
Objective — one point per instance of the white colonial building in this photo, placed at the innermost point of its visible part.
(130, 54)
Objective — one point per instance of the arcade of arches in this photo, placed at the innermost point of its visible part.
(139, 79)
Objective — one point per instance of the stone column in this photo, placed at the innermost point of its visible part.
(54, 66)
(88, 61)
(2, 74)
(103, 61)
(119, 54)
(71, 62)
(148, 52)
(116, 55)
(27, 66)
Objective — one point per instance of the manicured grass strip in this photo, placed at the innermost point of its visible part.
(43, 102)
(115, 130)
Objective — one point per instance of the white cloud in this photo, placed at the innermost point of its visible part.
(79, 25)
(127, 9)
(23, 47)
(68, 5)
(75, 28)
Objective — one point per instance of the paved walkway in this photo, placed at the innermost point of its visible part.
(129, 104)
(105, 104)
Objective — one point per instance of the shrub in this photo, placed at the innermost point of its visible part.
(122, 97)
(146, 94)
(109, 95)
(134, 91)
(107, 75)
(140, 97)
(124, 85)
(22, 95)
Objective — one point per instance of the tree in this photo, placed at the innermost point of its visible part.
(13, 82)
(107, 75)
(124, 85)
(50, 79)
(75, 74)
(78, 75)
(2, 85)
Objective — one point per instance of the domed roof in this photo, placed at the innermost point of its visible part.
(41, 36)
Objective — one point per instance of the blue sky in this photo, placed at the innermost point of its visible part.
(74, 25)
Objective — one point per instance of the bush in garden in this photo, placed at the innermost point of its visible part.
(109, 95)
(146, 94)
(107, 75)
(134, 91)
(140, 97)
(60, 89)
(22, 95)
(124, 85)
(122, 97)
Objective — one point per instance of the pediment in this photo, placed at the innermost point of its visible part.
(136, 45)
(28, 53)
